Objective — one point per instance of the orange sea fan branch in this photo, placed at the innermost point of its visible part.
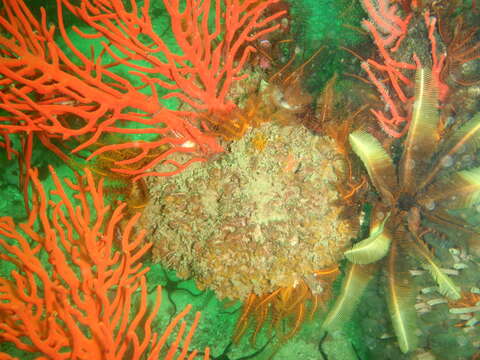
(53, 97)
(55, 93)
(72, 295)
(390, 75)
(213, 37)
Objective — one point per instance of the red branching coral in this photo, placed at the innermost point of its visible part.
(89, 301)
(392, 76)
(55, 93)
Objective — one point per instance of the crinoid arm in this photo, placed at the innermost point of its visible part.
(421, 141)
(467, 137)
(464, 139)
(401, 299)
(446, 286)
(353, 286)
(378, 163)
(372, 248)
(460, 190)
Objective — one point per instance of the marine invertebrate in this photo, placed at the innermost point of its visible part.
(460, 39)
(118, 186)
(409, 192)
(391, 74)
(294, 305)
(330, 118)
(469, 306)
(256, 225)
(449, 321)
(281, 98)
(53, 93)
(410, 5)
(71, 293)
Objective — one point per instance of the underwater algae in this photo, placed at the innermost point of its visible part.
(244, 112)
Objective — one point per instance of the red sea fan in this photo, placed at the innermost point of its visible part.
(72, 295)
(55, 93)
